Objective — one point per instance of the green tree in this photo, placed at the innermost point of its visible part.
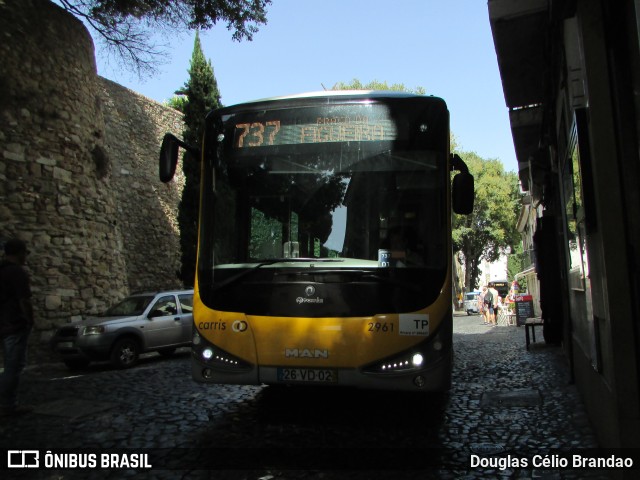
(491, 227)
(376, 85)
(126, 26)
(177, 102)
(516, 263)
(202, 95)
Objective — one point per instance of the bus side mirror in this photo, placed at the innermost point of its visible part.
(168, 157)
(462, 190)
(462, 193)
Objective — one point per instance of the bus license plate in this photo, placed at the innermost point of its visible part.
(312, 375)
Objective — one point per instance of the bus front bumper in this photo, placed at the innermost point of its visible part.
(436, 377)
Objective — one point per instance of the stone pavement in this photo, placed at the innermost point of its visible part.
(505, 403)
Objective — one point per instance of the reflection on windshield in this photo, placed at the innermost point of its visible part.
(386, 209)
(131, 306)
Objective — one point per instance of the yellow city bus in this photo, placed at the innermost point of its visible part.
(324, 252)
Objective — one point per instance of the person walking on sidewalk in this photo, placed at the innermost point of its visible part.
(488, 304)
(481, 306)
(16, 322)
(492, 298)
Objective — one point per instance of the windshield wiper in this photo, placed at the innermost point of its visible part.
(362, 275)
(271, 261)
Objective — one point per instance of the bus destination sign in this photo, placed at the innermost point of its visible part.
(321, 130)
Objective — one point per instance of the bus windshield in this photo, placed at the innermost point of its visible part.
(351, 187)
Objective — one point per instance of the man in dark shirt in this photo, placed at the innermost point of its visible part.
(16, 321)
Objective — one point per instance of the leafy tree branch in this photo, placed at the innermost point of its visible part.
(126, 26)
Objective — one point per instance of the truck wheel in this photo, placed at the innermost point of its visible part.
(125, 352)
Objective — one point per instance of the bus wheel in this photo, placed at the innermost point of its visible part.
(125, 353)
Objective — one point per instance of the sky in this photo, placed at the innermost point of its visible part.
(445, 47)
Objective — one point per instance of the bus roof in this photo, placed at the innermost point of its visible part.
(341, 93)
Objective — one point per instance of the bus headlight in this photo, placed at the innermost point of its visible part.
(410, 362)
(417, 360)
(420, 356)
(215, 357)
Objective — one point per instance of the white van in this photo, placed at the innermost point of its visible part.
(471, 302)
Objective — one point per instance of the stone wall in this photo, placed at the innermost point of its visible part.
(146, 208)
(78, 170)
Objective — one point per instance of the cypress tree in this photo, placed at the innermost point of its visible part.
(202, 95)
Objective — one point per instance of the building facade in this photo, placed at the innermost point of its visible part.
(527, 223)
(570, 71)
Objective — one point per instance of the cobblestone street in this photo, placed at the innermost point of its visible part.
(505, 401)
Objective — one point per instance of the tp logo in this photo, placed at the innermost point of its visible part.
(23, 459)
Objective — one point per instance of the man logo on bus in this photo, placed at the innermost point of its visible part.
(310, 290)
(306, 353)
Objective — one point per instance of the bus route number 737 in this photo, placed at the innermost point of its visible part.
(257, 134)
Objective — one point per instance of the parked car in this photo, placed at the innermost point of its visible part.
(144, 322)
(471, 302)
